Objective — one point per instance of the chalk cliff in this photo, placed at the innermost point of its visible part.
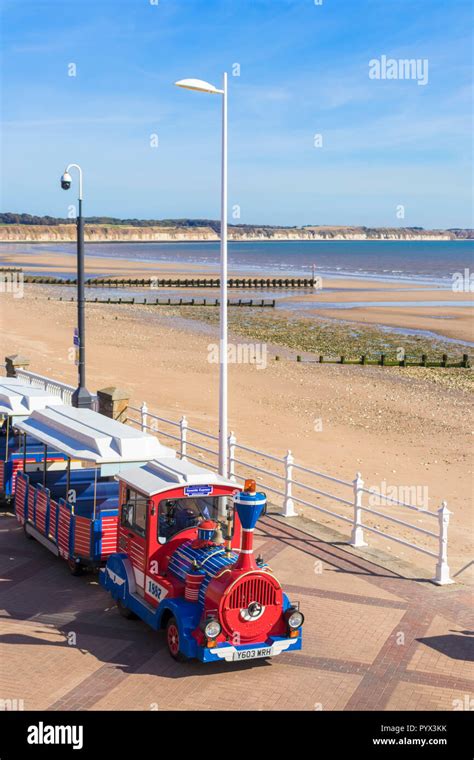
(103, 233)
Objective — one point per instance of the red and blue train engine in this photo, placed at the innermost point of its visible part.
(177, 571)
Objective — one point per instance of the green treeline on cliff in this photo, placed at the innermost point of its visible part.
(11, 218)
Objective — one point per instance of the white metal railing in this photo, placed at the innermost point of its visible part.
(284, 479)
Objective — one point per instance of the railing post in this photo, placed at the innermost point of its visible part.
(232, 443)
(289, 505)
(442, 568)
(183, 426)
(144, 412)
(357, 535)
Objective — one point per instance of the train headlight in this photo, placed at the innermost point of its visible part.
(295, 619)
(212, 629)
(255, 609)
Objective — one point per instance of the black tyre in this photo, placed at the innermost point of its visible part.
(125, 612)
(173, 641)
(28, 535)
(75, 568)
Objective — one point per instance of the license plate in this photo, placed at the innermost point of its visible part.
(252, 654)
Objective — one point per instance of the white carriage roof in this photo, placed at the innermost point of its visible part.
(84, 434)
(20, 400)
(165, 474)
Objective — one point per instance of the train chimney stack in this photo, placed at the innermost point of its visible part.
(249, 505)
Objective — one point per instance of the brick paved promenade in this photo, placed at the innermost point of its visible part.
(373, 640)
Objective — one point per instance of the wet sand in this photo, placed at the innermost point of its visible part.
(449, 321)
(456, 323)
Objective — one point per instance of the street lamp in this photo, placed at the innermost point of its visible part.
(81, 397)
(200, 86)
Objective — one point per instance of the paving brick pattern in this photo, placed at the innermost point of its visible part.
(372, 639)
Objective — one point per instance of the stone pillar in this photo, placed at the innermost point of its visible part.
(113, 402)
(14, 362)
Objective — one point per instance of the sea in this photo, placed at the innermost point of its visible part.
(432, 263)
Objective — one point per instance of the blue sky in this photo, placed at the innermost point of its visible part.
(304, 70)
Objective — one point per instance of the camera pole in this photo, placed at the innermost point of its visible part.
(81, 398)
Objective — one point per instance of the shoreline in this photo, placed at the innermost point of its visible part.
(442, 316)
(50, 262)
(335, 239)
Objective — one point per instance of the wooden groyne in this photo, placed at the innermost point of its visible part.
(385, 361)
(199, 282)
(169, 282)
(250, 302)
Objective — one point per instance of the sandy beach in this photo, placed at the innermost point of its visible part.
(66, 263)
(400, 426)
(451, 321)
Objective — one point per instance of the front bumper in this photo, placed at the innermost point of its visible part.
(229, 653)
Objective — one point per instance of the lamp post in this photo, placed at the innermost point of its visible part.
(81, 398)
(200, 86)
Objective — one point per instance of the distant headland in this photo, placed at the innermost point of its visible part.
(25, 228)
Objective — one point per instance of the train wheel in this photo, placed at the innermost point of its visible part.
(172, 639)
(125, 612)
(75, 568)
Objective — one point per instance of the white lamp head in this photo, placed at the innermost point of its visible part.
(199, 85)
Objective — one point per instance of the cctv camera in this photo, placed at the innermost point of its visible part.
(66, 180)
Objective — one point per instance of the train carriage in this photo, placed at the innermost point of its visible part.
(185, 563)
(71, 506)
(19, 452)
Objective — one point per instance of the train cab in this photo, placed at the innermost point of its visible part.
(161, 505)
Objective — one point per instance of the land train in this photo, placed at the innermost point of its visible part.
(172, 541)
(71, 504)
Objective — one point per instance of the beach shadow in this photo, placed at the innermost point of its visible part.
(456, 645)
(144, 651)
